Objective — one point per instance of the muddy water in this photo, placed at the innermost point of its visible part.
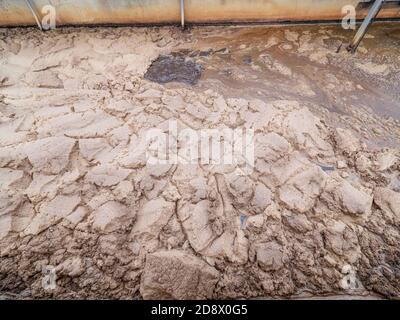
(308, 64)
(282, 71)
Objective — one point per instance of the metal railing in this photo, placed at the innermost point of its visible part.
(361, 32)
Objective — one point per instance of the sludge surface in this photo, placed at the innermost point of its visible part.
(173, 68)
(319, 214)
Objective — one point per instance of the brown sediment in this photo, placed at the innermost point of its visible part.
(317, 216)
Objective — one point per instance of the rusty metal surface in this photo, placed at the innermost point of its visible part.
(94, 12)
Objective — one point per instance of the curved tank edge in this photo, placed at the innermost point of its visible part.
(167, 12)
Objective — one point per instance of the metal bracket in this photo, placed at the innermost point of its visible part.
(183, 14)
(34, 13)
(373, 12)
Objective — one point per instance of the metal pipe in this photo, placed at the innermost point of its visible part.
(183, 14)
(373, 12)
(34, 13)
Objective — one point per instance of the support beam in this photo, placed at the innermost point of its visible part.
(34, 13)
(373, 12)
(183, 14)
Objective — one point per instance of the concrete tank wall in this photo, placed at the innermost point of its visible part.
(93, 12)
(265, 10)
